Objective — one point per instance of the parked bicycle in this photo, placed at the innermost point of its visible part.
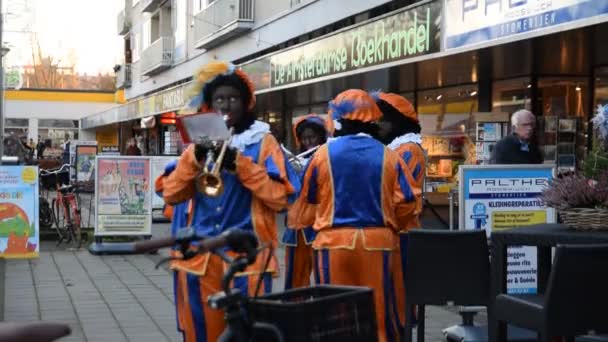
(320, 313)
(66, 209)
(239, 327)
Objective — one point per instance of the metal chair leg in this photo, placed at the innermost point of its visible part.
(421, 320)
(407, 336)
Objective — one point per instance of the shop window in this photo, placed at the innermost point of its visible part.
(563, 126)
(601, 86)
(446, 121)
(601, 43)
(565, 53)
(512, 60)
(509, 96)
(407, 79)
(447, 71)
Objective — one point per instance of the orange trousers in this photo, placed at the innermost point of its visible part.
(195, 319)
(362, 267)
(298, 264)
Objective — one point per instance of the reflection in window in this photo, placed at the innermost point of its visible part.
(509, 96)
(562, 130)
(446, 121)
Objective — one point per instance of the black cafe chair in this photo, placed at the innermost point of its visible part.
(445, 267)
(575, 301)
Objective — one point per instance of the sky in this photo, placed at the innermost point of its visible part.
(83, 32)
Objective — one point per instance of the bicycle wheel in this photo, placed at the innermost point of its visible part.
(58, 215)
(75, 219)
(45, 214)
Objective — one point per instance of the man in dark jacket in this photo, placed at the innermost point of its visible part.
(519, 148)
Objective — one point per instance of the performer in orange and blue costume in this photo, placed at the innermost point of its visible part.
(356, 221)
(309, 132)
(256, 186)
(178, 214)
(400, 131)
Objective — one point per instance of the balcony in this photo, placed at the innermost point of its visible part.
(157, 57)
(150, 5)
(222, 20)
(124, 23)
(123, 77)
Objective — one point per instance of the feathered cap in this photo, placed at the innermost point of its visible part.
(310, 119)
(352, 104)
(207, 74)
(400, 103)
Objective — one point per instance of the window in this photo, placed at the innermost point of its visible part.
(57, 123)
(150, 30)
(8, 122)
(199, 5)
(509, 96)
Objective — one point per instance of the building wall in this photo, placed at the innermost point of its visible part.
(276, 21)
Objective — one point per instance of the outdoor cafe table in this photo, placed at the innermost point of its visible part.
(543, 236)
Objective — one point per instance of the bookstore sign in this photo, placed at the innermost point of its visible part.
(400, 36)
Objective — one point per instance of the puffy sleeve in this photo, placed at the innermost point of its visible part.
(268, 179)
(303, 212)
(179, 185)
(406, 196)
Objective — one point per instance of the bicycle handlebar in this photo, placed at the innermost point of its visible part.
(30, 332)
(237, 240)
(56, 171)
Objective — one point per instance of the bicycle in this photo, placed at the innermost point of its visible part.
(66, 209)
(239, 327)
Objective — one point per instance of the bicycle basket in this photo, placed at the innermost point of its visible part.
(319, 313)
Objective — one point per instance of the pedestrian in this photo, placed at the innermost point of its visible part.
(66, 150)
(309, 132)
(256, 187)
(132, 149)
(40, 147)
(400, 131)
(519, 147)
(355, 195)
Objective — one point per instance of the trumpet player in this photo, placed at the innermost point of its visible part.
(255, 187)
(400, 131)
(355, 195)
(309, 132)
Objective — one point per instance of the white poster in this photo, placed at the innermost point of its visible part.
(158, 168)
(477, 21)
(496, 197)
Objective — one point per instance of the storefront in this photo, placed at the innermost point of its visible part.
(465, 72)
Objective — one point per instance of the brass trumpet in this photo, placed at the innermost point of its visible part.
(210, 182)
(298, 161)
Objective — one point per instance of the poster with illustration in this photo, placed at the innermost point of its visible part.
(85, 166)
(158, 168)
(19, 236)
(496, 197)
(123, 196)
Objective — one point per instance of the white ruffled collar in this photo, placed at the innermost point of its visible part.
(406, 138)
(254, 134)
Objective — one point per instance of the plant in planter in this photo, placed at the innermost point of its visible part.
(582, 199)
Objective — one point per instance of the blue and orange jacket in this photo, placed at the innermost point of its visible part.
(252, 196)
(413, 156)
(355, 182)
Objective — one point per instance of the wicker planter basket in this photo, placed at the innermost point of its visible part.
(585, 218)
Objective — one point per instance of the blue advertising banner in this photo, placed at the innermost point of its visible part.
(477, 21)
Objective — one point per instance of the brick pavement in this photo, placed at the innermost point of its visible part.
(113, 298)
